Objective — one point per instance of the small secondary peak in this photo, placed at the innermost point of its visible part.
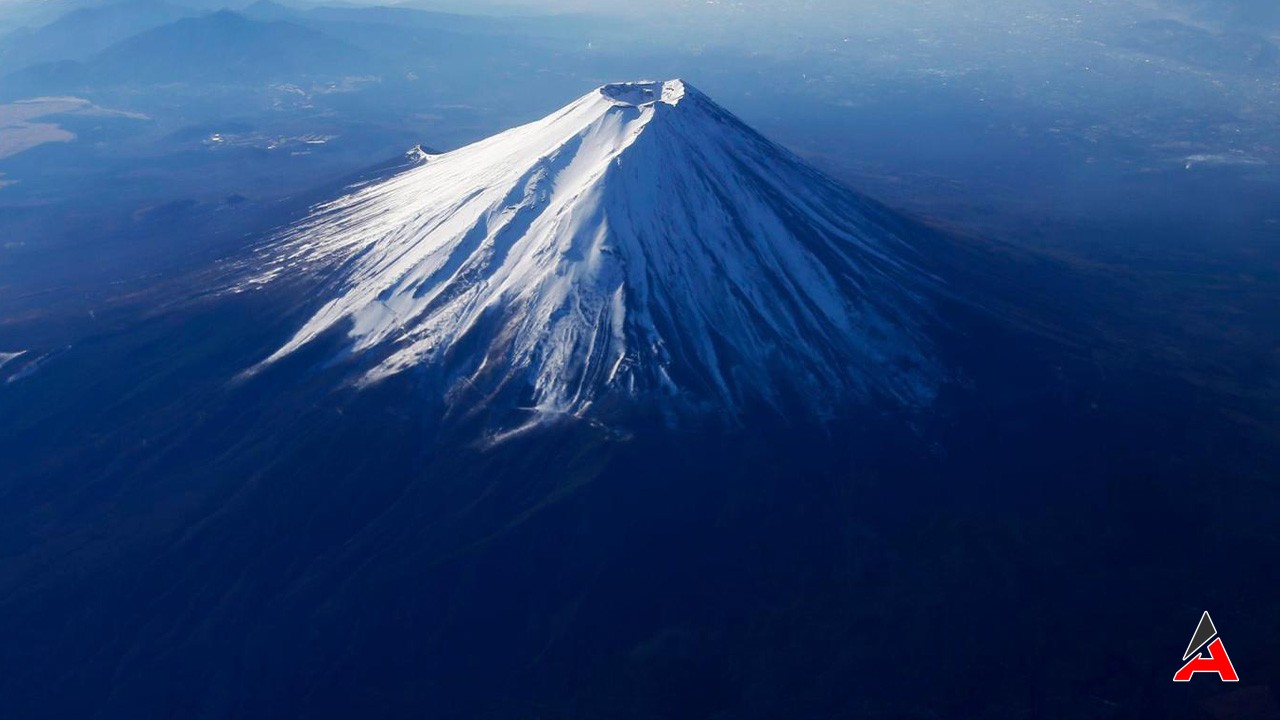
(645, 93)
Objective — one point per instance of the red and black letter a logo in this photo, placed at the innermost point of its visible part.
(1214, 659)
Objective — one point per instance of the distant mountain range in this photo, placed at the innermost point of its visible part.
(152, 41)
(81, 33)
(228, 44)
(222, 46)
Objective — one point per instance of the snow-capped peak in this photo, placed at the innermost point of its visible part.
(639, 94)
(639, 244)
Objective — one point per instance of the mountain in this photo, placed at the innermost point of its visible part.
(225, 44)
(21, 15)
(81, 33)
(222, 47)
(639, 246)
